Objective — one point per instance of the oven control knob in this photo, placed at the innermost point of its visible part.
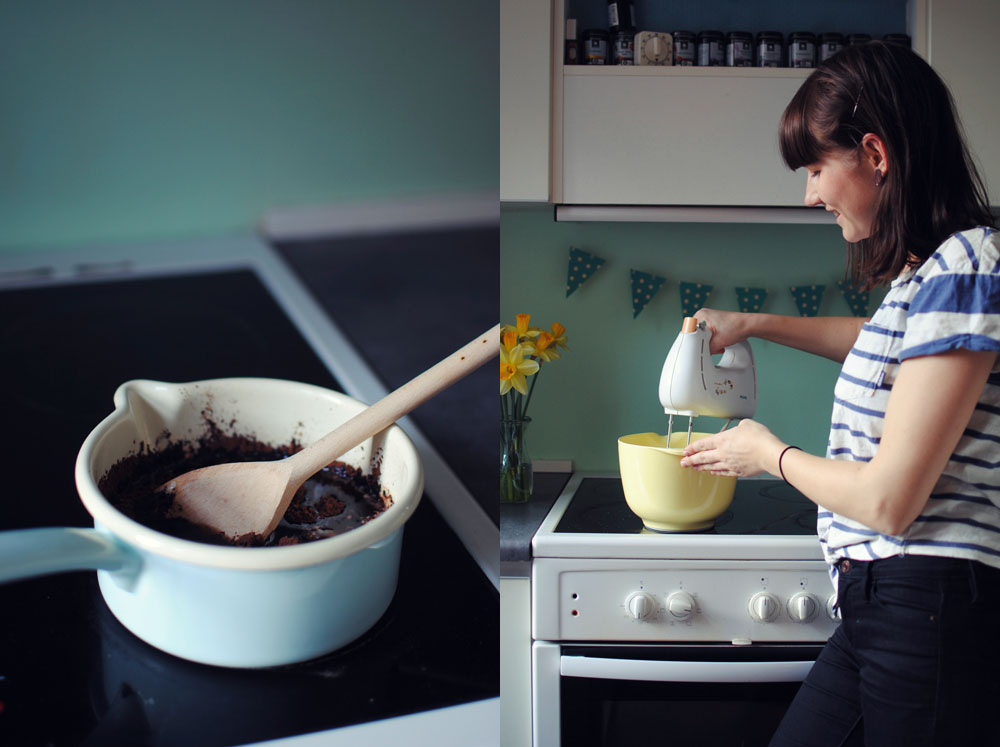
(764, 607)
(802, 607)
(680, 605)
(639, 605)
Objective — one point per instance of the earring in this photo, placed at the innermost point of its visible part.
(878, 178)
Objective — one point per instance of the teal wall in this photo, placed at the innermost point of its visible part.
(606, 386)
(875, 17)
(124, 120)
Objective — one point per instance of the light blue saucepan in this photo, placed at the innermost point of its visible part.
(230, 606)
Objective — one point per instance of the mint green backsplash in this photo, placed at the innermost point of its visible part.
(131, 121)
(606, 386)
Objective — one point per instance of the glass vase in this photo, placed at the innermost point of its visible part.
(515, 465)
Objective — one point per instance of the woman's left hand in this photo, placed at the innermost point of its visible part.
(738, 452)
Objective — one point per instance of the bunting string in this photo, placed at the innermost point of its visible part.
(582, 265)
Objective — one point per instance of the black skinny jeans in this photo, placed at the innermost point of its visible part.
(915, 661)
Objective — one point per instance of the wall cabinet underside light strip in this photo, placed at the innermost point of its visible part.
(691, 214)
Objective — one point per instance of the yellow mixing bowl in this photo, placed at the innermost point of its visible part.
(666, 496)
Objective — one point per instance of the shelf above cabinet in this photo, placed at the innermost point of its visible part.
(678, 71)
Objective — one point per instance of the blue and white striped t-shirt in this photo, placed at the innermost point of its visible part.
(950, 302)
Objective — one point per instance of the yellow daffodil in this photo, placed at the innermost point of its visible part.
(522, 324)
(514, 370)
(523, 349)
(522, 328)
(559, 334)
(545, 347)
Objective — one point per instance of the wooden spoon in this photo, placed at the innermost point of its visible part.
(248, 497)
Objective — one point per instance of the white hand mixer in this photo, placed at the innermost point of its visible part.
(692, 384)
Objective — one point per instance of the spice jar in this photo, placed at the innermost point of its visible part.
(711, 48)
(770, 49)
(739, 49)
(829, 44)
(901, 39)
(685, 48)
(802, 49)
(858, 39)
(623, 47)
(595, 47)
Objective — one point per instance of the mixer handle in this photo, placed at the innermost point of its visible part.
(737, 355)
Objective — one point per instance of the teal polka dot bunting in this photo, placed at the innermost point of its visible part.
(582, 265)
(807, 298)
(644, 287)
(693, 297)
(751, 300)
(856, 300)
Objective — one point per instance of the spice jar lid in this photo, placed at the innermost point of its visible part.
(901, 39)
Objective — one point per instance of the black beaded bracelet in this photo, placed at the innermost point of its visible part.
(782, 456)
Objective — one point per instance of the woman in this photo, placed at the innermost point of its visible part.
(909, 490)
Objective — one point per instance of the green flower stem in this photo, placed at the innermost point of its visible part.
(516, 477)
(531, 390)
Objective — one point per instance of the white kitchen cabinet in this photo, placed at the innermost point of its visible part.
(963, 49)
(525, 96)
(676, 136)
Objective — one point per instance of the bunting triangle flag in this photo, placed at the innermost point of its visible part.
(693, 297)
(751, 300)
(808, 298)
(582, 265)
(644, 287)
(856, 300)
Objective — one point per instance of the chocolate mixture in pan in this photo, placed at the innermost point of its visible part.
(338, 498)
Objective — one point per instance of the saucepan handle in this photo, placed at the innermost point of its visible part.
(25, 553)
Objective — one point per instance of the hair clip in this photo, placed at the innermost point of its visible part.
(858, 100)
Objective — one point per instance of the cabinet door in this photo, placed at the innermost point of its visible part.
(672, 136)
(525, 64)
(963, 49)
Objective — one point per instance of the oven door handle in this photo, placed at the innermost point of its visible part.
(683, 671)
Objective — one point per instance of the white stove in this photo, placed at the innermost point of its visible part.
(613, 603)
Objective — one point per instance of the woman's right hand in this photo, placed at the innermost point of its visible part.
(728, 327)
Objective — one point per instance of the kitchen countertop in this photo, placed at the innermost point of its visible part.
(520, 521)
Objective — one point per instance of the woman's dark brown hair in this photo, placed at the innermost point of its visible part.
(931, 189)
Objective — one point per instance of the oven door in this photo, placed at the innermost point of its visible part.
(712, 694)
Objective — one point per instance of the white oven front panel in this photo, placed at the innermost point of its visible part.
(577, 599)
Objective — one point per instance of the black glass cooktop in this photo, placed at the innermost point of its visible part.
(70, 674)
(759, 507)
